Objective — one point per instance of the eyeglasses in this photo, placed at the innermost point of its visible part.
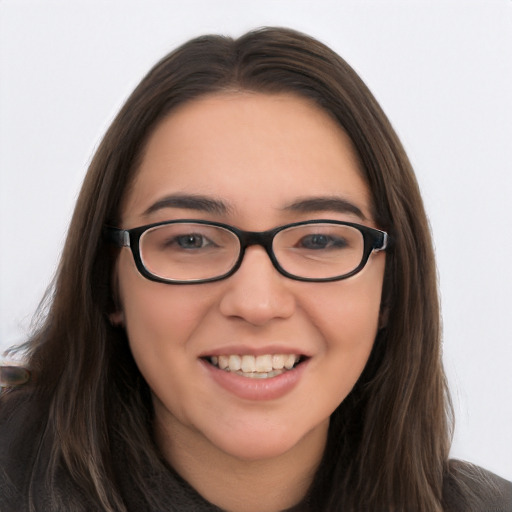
(197, 251)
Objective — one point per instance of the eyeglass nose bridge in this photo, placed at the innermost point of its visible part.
(261, 238)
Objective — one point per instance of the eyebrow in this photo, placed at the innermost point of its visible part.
(189, 202)
(328, 203)
(209, 205)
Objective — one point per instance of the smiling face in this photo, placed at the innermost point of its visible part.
(255, 162)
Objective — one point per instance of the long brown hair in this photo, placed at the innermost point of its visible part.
(389, 440)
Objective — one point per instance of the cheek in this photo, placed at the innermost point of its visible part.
(156, 315)
(347, 312)
(347, 316)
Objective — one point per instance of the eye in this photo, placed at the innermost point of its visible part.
(185, 238)
(191, 241)
(319, 241)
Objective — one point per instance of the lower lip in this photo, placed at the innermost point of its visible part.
(256, 389)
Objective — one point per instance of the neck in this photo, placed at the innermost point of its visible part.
(239, 485)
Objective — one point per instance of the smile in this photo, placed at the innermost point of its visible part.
(259, 377)
(256, 367)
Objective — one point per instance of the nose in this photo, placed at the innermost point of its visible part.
(257, 292)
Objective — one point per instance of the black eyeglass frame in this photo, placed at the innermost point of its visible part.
(374, 240)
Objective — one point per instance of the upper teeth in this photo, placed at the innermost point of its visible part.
(250, 364)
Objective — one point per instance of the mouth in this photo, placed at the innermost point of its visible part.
(256, 367)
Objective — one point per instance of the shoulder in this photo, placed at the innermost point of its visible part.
(21, 427)
(469, 488)
(20, 423)
(29, 480)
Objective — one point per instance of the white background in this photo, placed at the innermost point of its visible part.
(442, 70)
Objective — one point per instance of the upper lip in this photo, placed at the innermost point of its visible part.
(254, 351)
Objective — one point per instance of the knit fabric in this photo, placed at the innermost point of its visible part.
(23, 477)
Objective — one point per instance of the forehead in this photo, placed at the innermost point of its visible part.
(250, 150)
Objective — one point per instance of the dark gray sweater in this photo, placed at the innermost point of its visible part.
(22, 474)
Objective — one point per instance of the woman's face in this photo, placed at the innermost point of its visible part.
(260, 161)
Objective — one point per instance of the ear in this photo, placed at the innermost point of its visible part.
(116, 318)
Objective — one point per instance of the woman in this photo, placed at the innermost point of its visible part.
(245, 316)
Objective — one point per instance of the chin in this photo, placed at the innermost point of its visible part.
(256, 450)
(268, 441)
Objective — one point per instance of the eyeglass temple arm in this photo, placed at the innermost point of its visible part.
(116, 236)
(384, 242)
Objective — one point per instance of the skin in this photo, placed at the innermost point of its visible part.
(257, 154)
